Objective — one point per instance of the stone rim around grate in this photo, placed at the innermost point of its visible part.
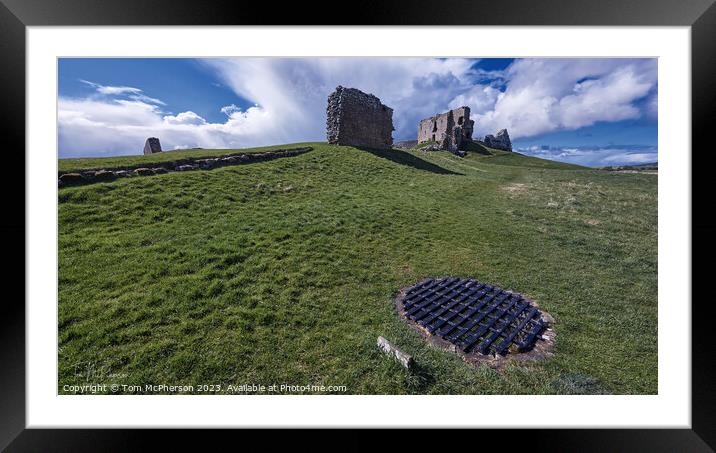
(474, 316)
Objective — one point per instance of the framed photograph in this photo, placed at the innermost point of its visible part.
(236, 225)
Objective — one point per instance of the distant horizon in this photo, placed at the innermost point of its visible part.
(593, 112)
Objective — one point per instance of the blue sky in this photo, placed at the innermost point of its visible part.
(588, 111)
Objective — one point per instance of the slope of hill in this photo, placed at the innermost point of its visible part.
(285, 271)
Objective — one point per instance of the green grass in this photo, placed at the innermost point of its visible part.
(424, 144)
(284, 272)
(516, 159)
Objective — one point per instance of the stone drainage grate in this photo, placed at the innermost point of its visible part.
(474, 316)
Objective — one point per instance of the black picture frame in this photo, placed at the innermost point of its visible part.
(16, 15)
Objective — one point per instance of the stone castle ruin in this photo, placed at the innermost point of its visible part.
(355, 118)
(500, 141)
(152, 146)
(450, 129)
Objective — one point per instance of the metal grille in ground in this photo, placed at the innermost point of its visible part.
(474, 316)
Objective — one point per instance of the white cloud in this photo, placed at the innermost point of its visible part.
(113, 113)
(133, 93)
(184, 118)
(545, 95)
(230, 109)
(147, 99)
(91, 127)
(289, 95)
(480, 98)
(111, 90)
(652, 106)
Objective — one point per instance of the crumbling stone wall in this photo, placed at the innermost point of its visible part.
(500, 141)
(152, 146)
(355, 118)
(191, 163)
(449, 129)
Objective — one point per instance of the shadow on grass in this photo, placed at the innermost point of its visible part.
(405, 158)
(419, 378)
(475, 147)
(578, 384)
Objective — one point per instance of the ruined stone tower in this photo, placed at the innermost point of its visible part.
(500, 141)
(152, 146)
(449, 129)
(355, 118)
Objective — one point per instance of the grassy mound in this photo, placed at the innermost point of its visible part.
(284, 272)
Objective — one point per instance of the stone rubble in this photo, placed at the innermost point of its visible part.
(143, 172)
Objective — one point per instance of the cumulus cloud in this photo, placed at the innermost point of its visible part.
(480, 98)
(188, 117)
(530, 97)
(120, 127)
(546, 95)
(118, 113)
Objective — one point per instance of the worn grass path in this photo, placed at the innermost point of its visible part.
(283, 272)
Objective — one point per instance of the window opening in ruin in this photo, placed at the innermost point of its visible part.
(433, 137)
(459, 120)
(435, 128)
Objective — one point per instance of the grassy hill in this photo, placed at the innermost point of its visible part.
(284, 271)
